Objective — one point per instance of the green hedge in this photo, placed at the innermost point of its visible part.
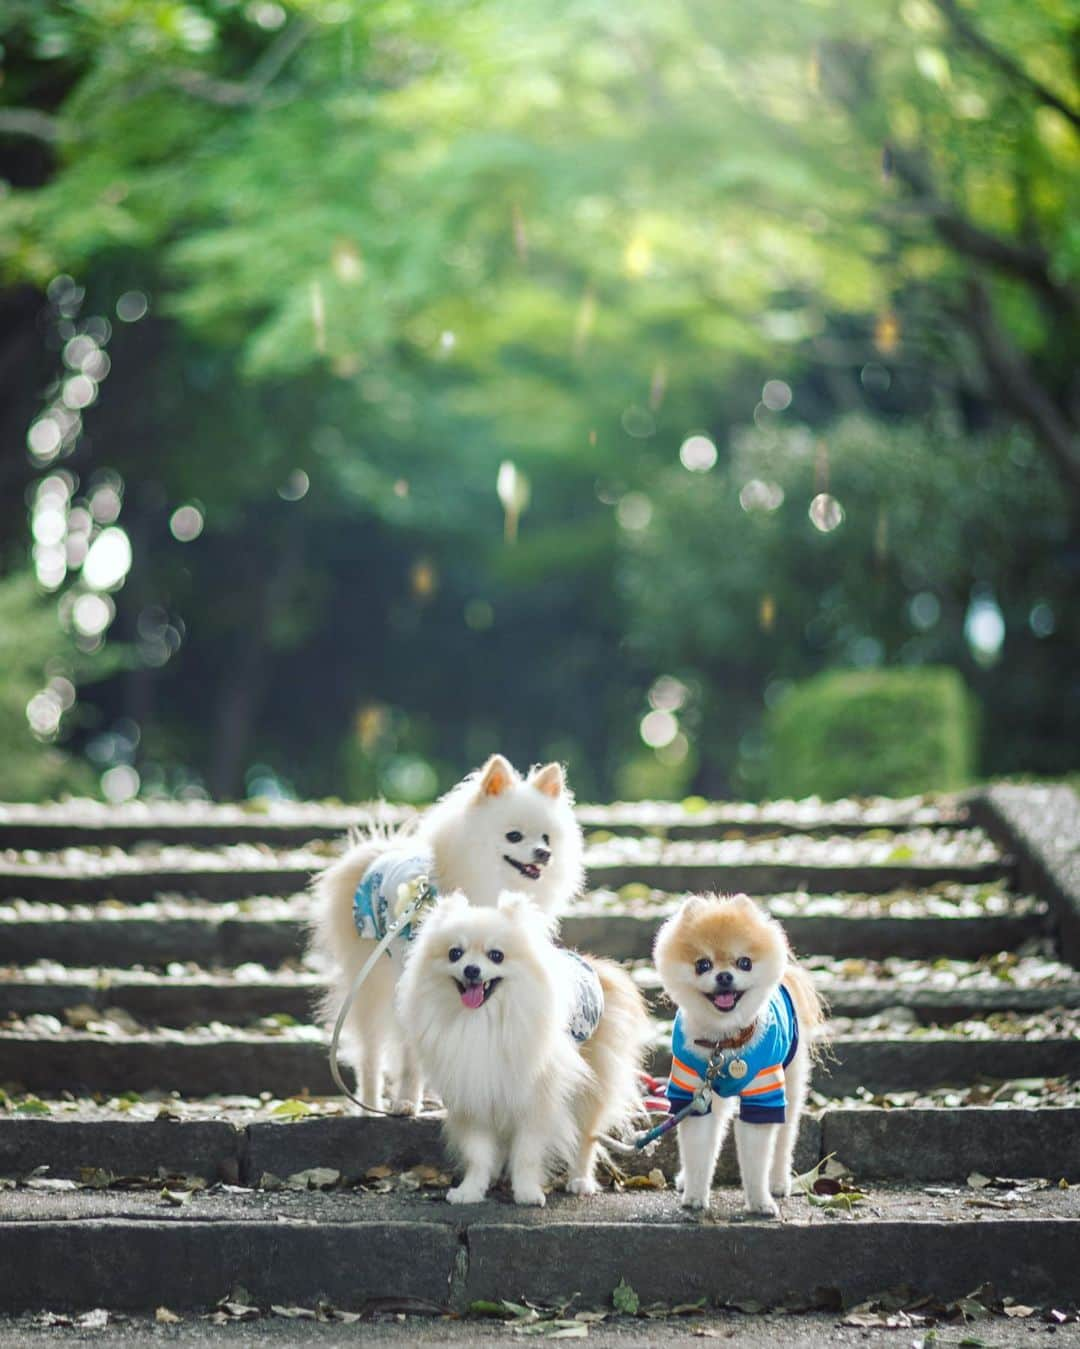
(854, 733)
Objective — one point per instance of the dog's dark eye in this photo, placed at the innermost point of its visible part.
(744, 963)
(514, 836)
(495, 956)
(546, 839)
(703, 966)
(455, 954)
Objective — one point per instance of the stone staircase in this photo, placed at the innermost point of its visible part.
(168, 1129)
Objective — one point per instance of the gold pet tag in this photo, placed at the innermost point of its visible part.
(737, 1068)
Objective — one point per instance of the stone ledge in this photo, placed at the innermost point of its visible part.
(902, 1144)
(1041, 826)
(128, 1251)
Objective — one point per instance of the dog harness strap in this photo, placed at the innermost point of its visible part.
(759, 1080)
(376, 901)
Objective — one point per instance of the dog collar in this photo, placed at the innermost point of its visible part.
(736, 1042)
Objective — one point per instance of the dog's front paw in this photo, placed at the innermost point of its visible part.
(582, 1185)
(530, 1194)
(680, 1181)
(781, 1186)
(695, 1202)
(465, 1194)
(405, 1108)
(763, 1208)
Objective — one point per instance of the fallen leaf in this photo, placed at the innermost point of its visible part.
(293, 1313)
(482, 1308)
(625, 1300)
(316, 1178)
(978, 1181)
(176, 1198)
(239, 1311)
(98, 1319)
(95, 1177)
(291, 1109)
(1019, 1310)
(164, 1317)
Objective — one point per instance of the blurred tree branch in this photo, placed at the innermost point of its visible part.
(1018, 387)
(246, 92)
(1027, 262)
(31, 123)
(977, 41)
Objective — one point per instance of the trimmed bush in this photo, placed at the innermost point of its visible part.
(857, 733)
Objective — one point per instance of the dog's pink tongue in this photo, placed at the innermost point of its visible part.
(473, 996)
(724, 1001)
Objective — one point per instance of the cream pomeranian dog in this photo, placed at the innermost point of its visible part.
(534, 1049)
(744, 1005)
(493, 831)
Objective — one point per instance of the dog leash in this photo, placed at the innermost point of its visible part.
(699, 1104)
(423, 894)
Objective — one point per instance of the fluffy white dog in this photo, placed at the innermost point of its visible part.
(534, 1050)
(494, 831)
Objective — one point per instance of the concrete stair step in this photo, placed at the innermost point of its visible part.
(294, 823)
(915, 858)
(130, 1250)
(243, 1146)
(240, 996)
(294, 1060)
(270, 931)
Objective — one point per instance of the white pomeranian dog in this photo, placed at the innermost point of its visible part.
(535, 1050)
(493, 831)
(747, 1008)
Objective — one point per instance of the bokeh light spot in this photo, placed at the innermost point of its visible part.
(92, 614)
(761, 496)
(924, 610)
(186, 523)
(776, 395)
(1042, 620)
(109, 559)
(634, 511)
(697, 453)
(826, 513)
(668, 694)
(120, 783)
(659, 728)
(132, 306)
(295, 487)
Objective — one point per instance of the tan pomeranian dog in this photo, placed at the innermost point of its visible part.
(495, 830)
(534, 1049)
(751, 1016)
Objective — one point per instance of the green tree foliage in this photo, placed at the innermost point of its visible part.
(36, 690)
(388, 245)
(860, 546)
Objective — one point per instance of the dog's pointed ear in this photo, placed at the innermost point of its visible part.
(514, 904)
(550, 779)
(496, 776)
(452, 903)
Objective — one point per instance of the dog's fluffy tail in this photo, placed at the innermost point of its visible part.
(616, 1052)
(810, 1006)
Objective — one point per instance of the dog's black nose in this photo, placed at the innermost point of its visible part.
(724, 978)
(542, 854)
(472, 972)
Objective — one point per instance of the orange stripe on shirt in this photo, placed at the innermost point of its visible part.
(685, 1068)
(686, 1086)
(775, 1085)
